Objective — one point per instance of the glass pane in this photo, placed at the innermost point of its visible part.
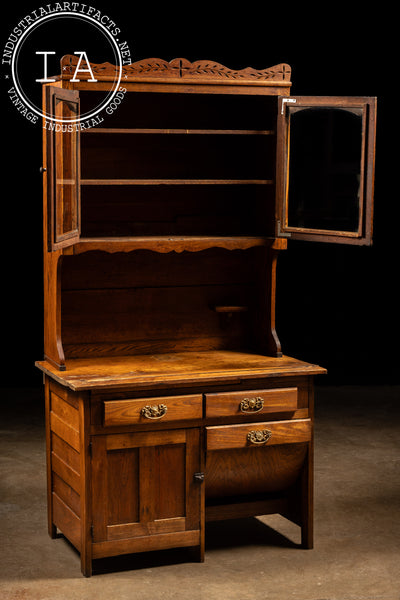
(66, 191)
(325, 168)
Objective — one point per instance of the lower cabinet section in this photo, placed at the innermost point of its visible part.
(132, 474)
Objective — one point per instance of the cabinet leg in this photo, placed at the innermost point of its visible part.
(86, 565)
(52, 531)
(197, 553)
(307, 537)
(200, 550)
(86, 557)
(307, 510)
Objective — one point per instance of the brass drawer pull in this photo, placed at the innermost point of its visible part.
(154, 412)
(251, 405)
(260, 436)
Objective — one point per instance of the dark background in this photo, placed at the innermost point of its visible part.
(337, 305)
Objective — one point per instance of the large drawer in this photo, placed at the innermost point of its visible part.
(152, 410)
(250, 403)
(259, 434)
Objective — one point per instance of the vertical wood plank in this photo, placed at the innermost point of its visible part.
(199, 446)
(170, 481)
(99, 488)
(51, 527)
(147, 484)
(307, 484)
(272, 344)
(86, 512)
(193, 487)
(123, 486)
(53, 348)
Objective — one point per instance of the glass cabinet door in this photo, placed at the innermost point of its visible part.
(325, 168)
(63, 190)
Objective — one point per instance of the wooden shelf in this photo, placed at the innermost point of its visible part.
(165, 244)
(181, 131)
(181, 368)
(177, 181)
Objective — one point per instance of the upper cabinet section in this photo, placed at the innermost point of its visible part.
(217, 156)
(325, 175)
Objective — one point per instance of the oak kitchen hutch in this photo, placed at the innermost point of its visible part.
(169, 402)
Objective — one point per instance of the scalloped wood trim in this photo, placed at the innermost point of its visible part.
(180, 70)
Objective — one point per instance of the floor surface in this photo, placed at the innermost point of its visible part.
(357, 521)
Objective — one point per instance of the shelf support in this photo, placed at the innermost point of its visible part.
(53, 348)
(269, 341)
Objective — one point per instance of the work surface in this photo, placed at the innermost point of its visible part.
(170, 369)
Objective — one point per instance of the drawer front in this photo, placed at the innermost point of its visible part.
(152, 410)
(258, 435)
(247, 404)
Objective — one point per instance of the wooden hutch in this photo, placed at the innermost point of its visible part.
(169, 402)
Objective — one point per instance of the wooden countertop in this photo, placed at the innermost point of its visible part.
(189, 368)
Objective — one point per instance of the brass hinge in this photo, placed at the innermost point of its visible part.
(286, 101)
(90, 449)
(279, 232)
(92, 531)
(199, 477)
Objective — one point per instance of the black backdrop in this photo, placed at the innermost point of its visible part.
(337, 305)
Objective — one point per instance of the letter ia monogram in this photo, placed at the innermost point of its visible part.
(82, 56)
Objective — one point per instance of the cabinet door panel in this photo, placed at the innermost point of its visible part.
(140, 489)
(325, 178)
(123, 472)
(63, 166)
(170, 482)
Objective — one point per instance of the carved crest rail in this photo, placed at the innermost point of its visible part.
(180, 69)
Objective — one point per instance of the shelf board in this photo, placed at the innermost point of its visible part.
(143, 130)
(177, 181)
(173, 243)
(181, 368)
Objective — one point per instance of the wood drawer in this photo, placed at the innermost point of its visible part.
(152, 410)
(256, 435)
(253, 402)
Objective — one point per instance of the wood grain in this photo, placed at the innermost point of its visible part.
(228, 404)
(67, 521)
(129, 412)
(173, 243)
(181, 69)
(242, 510)
(170, 369)
(146, 543)
(242, 472)
(235, 436)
